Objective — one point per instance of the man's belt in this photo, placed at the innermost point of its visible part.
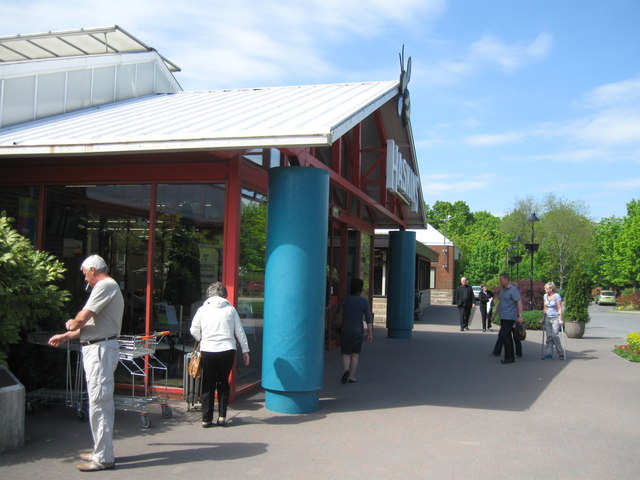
(98, 340)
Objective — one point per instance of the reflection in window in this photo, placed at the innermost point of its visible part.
(21, 204)
(112, 221)
(188, 258)
(253, 242)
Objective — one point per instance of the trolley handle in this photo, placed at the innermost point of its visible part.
(156, 334)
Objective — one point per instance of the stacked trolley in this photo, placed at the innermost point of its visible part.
(73, 395)
(137, 356)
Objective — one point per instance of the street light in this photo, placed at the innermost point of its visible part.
(531, 248)
(445, 250)
(517, 258)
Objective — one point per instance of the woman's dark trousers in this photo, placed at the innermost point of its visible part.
(216, 367)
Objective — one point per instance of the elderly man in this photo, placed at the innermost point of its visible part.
(463, 297)
(510, 309)
(97, 326)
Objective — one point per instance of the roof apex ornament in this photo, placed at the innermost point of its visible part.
(404, 101)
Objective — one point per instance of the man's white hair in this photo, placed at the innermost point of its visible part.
(96, 262)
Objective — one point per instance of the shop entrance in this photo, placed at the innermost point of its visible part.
(349, 257)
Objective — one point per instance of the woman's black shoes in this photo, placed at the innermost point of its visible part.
(345, 376)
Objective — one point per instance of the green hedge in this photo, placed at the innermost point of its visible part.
(531, 319)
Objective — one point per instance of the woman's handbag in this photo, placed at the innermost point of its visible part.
(195, 363)
(519, 332)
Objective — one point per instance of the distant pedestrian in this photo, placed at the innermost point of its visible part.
(355, 312)
(510, 309)
(486, 301)
(552, 320)
(464, 298)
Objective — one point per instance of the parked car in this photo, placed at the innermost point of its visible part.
(255, 287)
(476, 292)
(606, 297)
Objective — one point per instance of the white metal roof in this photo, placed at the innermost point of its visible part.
(427, 236)
(72, 43)
(204, 120)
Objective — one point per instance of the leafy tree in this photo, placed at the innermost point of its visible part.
(627, 247)
(603, 266)
(28, 297)
(566, 237)
(253, 238)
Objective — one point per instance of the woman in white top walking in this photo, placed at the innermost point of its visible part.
(216, 325)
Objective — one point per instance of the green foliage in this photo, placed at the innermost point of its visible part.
(531, 319)
(633, 340)
(630, 301)
(253, 238)
(578, 297)
(630, 351)
(28, 296)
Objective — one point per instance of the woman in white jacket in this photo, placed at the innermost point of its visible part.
(216, 325)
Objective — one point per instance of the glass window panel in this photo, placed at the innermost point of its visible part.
(253, 241)
(103, 81)
(188, 258)
(126, 82)
(144, 82)
(21, 204)
(78, 90)
(17, 100)
(112, 221)
(50, 99)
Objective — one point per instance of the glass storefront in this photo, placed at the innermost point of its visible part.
(187, 259)
(253, 247)
(21, 204)
(112, 221)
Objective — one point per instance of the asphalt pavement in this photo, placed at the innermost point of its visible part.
(436, 406)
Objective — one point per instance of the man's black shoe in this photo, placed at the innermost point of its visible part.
(507, 361)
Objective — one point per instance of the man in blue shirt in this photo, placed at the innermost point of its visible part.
(510, 310)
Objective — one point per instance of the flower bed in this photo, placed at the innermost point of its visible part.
(630, 351)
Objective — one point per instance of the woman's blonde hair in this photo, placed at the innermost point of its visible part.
(550, 285)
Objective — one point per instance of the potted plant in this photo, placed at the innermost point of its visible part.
(576, 303)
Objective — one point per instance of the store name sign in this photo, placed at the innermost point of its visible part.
(401, 180)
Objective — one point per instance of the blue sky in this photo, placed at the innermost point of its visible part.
(510, 98)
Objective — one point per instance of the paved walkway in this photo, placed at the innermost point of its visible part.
(433, 407)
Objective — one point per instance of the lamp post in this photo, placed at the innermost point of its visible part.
(517, 257)
(445, 250)
(531, 248)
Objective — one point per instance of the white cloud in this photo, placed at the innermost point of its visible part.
(441, 184)
(494, 139)
(620, 93)
(511, 57)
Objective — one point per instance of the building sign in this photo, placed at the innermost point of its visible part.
(401, 179)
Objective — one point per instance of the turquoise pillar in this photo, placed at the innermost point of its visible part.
(401, 287)
(295, 289)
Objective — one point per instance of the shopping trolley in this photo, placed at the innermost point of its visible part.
(73, 395)
(137, 356)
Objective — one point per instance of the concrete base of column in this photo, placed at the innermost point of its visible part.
(291, 402)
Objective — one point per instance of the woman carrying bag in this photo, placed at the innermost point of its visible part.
(216, 325)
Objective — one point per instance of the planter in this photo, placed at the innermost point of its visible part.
(12, 397)
(574, 329)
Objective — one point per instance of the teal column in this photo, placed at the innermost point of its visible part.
(401, 287)
(295, 289)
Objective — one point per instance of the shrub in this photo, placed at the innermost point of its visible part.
(531, 319)
(630, 351)
(28, 297)
(578, 297)
(629, 302)
(524, 286)
(633, 340)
